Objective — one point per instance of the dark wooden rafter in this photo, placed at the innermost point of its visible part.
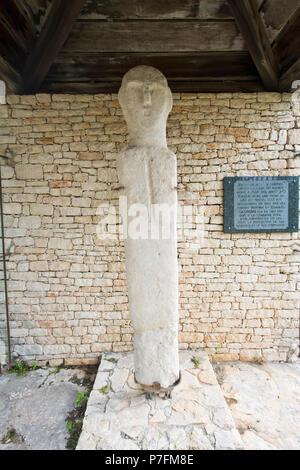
(292, 75)
(260, 3)
(10, 51)
(53, 35)
(276, 14)
(287, 44)
(35, 12)
(23, 35)
(287, 49)
(251, 26)
(200, 45)
(10, 76)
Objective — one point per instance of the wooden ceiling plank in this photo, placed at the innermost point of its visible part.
(70, 67)
(10, 76)
(154, 36)
(184, 86)
(250, 24)
(154, 9)
(53, 35)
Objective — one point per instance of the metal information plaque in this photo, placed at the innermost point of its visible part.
(261, 204)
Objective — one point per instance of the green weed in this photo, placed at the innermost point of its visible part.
(196, 362)
(104, 390)
(111, 359)
(21, 368)
(81, 398)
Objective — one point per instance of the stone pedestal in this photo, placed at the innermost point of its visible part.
(120, 415)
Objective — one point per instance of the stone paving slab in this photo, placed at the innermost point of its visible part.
(264, 400)
(33, 409)
(121, 416)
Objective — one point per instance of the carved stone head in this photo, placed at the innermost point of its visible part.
(145, 98)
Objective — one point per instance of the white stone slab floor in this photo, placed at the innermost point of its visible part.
(121, 416)
(264, 401)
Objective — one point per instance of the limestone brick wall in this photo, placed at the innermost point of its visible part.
(239, 293)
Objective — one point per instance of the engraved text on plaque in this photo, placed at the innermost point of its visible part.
(261, 204)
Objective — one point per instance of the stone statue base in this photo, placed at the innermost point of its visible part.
(121, 415)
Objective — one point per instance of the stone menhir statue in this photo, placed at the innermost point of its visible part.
(148, 178)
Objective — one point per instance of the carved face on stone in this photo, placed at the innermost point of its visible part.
(145, 97)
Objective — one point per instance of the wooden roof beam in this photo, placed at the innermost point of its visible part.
(292, 75)
(10, 76)
(287, 44)
(53, 35)
(253, 30)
